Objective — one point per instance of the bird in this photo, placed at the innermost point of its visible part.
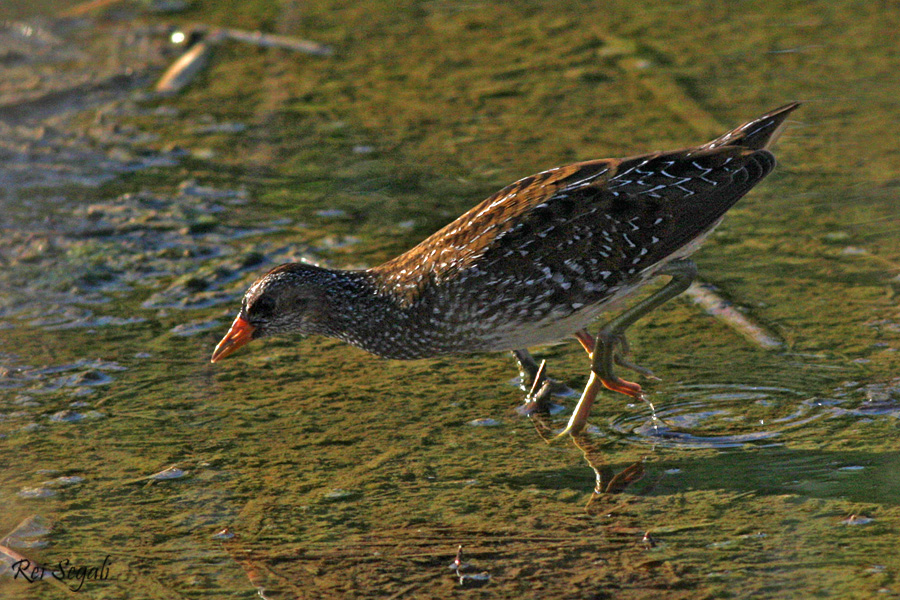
(536, 262)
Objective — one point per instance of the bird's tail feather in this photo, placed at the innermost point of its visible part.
(757, 134)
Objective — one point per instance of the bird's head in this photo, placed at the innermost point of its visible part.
(291, 298)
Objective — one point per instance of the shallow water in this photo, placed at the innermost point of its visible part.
(132, 224)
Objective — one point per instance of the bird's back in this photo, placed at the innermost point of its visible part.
(555, 246)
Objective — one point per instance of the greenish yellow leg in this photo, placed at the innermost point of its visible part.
(604, 356)
(579, 418)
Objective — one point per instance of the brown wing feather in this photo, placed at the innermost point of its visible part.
(586, 227)
(456, 246)
(586, 241)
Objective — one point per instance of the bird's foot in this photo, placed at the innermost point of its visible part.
(573, 428)
(538, 397)
(612, 348)
(624, 362)
(629, 388)
(528, 377)
(579, 417)
(622, 356)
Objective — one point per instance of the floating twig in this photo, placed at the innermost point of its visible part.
(184, 69)
(196, 57)
(723, 310)
(269, 40)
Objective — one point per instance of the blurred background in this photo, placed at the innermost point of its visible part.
(140, 195)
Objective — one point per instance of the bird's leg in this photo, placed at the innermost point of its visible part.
(534, 376)
(528, 367)
(588, 342)
(579, 418)
(528, 373)
(538, 397)
(683, 272)
(586, 339)
(622, 361)
(603, 356)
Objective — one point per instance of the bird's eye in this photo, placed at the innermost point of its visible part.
(263, 307)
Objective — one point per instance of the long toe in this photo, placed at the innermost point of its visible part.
(624, 362)
(629, 388)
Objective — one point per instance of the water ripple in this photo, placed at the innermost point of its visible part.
(718, 416)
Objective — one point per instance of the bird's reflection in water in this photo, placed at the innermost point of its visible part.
(608, 483)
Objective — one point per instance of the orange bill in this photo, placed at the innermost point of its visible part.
(240, 333)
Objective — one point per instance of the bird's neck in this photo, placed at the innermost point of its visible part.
(372, 315)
